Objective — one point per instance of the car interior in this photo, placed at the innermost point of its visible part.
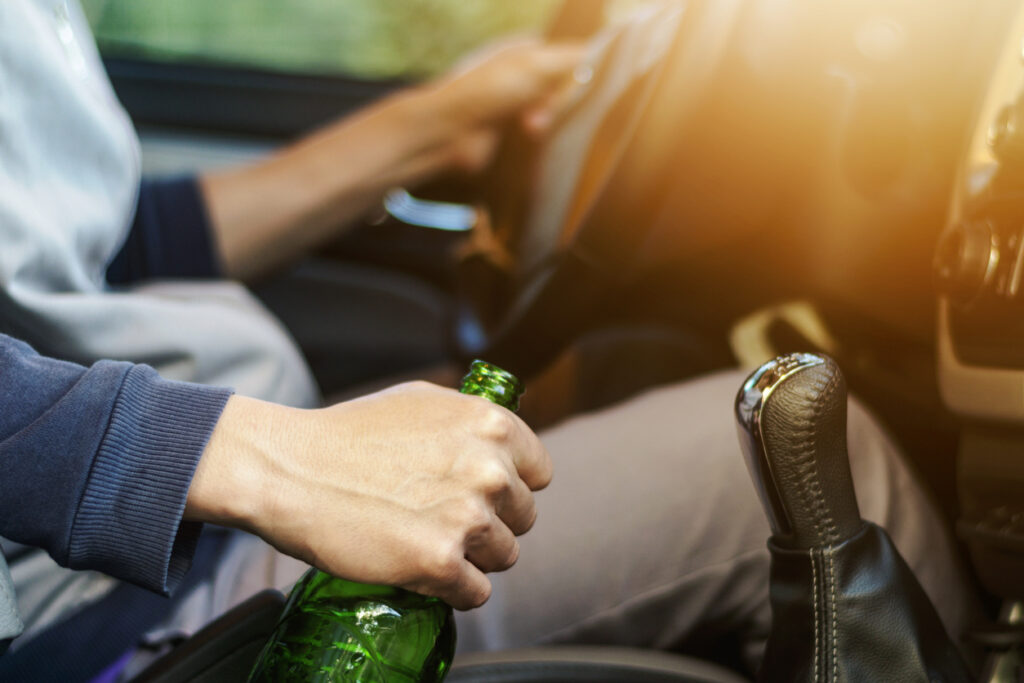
(734, 181)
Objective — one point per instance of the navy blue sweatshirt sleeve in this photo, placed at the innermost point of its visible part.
(97, 463)
(170, 236)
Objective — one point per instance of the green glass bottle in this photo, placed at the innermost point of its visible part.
(335, 630)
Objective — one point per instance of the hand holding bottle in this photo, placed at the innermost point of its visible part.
(416, 486)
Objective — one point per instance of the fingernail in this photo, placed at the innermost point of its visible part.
(539, 121)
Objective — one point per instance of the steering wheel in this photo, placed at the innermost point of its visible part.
(809, 148)
(569, 214)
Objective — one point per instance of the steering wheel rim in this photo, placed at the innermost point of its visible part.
(562, 229)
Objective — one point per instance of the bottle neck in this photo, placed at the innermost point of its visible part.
(492, 383)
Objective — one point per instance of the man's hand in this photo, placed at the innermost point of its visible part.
(270, 213)
(524, 80)
(416, 486)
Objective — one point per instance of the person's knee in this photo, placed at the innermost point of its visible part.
(891, 496)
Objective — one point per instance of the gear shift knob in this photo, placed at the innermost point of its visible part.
(791, 417)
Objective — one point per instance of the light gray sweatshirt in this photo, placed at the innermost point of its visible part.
(69, 177)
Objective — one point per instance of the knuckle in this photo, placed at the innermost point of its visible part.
(493, 477)
(473, 517)
(443, 564)
(497, 424)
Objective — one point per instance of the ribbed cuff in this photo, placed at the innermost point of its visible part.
(129, 522)
(171, 236)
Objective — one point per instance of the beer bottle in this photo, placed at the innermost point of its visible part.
(333, 630)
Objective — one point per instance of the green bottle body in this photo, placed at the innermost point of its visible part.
(337, 630)
(334, 630)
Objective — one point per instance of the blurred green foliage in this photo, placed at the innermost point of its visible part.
(374, 39)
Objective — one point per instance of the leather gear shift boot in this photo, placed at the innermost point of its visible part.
(853, 611)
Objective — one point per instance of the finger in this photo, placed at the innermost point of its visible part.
(474, 151)
(538, 119)
(556, 61)
(517, 508)
(494, 550)
(560, 87)
(563, 94)
(531, 458)
(471, 588)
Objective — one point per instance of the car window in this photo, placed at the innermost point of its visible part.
(367, 39)
(363, 39)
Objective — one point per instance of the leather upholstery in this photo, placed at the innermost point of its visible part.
(804, 432)
(853, 611)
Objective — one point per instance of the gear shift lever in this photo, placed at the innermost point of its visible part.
(845, 606)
